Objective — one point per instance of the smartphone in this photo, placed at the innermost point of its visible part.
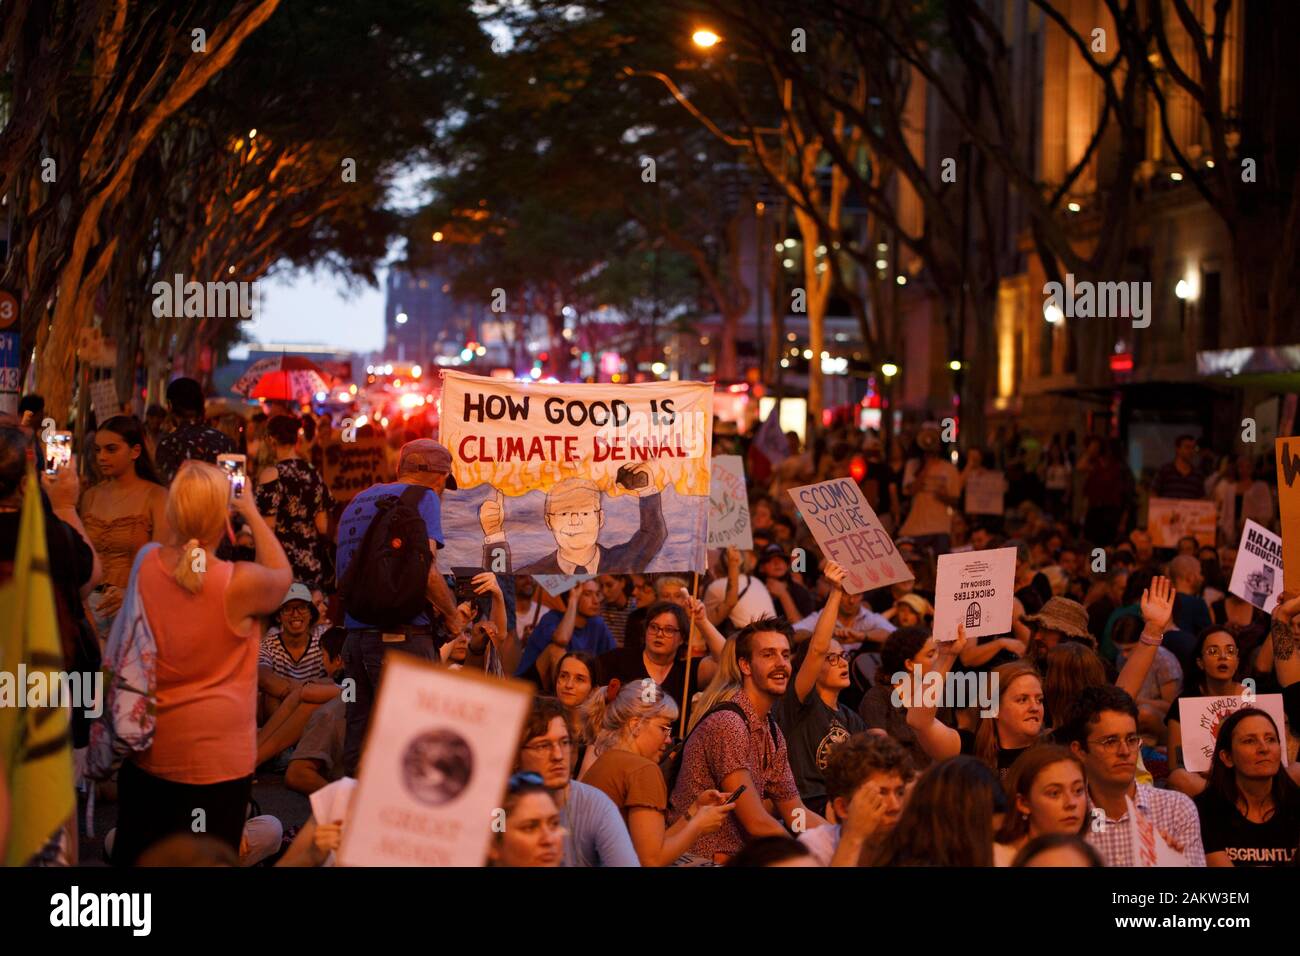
(465, 586)
(234, 467)
(736, 796)
(58, 452)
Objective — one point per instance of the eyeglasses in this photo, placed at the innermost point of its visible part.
(1111, 744)
(666, 631)
(836, 657)
(524, 779)
(549, 746)
(296, 610)
(1221, 652)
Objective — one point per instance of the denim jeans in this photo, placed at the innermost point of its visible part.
(363, 654)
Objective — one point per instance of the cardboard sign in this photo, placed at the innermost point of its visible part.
(1171, 519)
(974, 588)
(1288, 504)
(729, 505)
(352, 467)
(557, 584)
(438, 752)
(103, 398)
(985, 492)
(1149, 847)
(1199, 719)
(850, 534)
(1257, 572)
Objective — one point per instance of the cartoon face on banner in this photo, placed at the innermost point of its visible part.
(575, 479)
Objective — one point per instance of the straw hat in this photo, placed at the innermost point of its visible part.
(1062, 614)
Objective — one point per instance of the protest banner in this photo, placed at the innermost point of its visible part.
(1149, 847)
(352, 467)
(103, 399)
(1171, 519)
(850, 534)
(729, 505)
(976, 589)
(986, 492)
(1288, 505)
(440, 747)
(576, 479)
(1199, 719)
(557, 584)
(1257, 572)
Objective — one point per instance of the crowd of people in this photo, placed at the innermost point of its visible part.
(754, 714)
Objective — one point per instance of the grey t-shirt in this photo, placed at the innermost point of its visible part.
(322, 738)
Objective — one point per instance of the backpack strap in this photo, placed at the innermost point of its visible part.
(413, 495)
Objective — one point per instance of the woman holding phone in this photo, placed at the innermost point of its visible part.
(205, 615)
(123, 512)
(631, 732)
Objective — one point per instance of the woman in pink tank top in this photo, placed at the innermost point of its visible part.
(205, 616)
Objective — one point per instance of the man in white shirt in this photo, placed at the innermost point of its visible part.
(854, 623)
(739, 597)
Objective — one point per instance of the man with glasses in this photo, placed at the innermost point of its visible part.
(1102, 732)
(596, 835)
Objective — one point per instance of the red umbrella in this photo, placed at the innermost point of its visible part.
(283, 378)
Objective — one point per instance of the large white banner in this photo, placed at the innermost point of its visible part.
(440, 747)
(575, 479)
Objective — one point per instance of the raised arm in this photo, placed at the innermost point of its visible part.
(936, 738)
(713, 638)
(257, 587)
(820, 642)
(1157, 609)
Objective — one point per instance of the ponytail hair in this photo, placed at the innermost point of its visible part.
(196, 509)
(608, 712)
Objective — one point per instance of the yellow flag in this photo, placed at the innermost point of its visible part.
(35, 744)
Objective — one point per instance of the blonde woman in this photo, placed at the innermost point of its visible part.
(205, 615)
(722, 687)
(631, 729)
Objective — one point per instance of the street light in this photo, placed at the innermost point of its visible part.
(704, 37)
(889, 369)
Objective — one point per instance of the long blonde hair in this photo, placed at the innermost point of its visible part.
(606, 721)
(726, 681)
(196, 509)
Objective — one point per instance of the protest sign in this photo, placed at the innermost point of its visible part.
(1171, 519)
(985, 492)
(103, 399)
(850, 534)
(729, 505)
(576, 479)
(1288, 505)
(352, 467)
(1199, 719)
(557, 584)
(1257, 572)
(440, 747)
(1149, 847)
(976, 589)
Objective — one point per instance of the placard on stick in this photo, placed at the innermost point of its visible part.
(974, 588)
(352, 467)
(850, 534)
(438, 752)
(1199, 719)
(1288, 504)
(729, 505)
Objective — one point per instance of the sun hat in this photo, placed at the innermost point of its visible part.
(1062, 614)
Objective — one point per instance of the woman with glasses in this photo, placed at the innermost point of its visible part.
(1216, 662)
(1047, 794)
(810, 714)
(533, 834)
(631, 729)
(1250, 809)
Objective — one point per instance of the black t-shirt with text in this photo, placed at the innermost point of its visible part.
(812, 730)
(1225, 830)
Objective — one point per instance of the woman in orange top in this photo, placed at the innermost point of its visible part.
(205, 615)
(123, 512)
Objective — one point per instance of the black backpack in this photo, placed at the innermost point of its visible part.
(387, 580)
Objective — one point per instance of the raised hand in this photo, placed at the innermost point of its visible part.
(1158, 604)
(835, 574)
(485, 582)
